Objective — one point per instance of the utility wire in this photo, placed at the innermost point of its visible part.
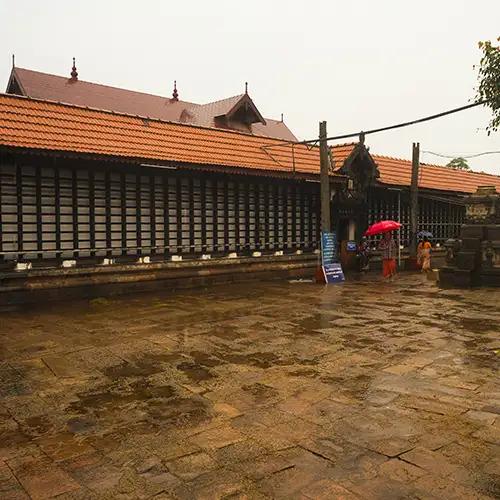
(382, 129)
(464, 157)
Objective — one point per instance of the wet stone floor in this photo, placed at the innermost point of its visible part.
(266, 390)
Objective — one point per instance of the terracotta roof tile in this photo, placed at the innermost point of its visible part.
(30, 123)
(35, 124)
(397, 171)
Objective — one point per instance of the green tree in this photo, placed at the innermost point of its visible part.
(489, 81)
(458, 164)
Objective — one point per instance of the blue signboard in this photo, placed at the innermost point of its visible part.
(332, 270)
(333, 273)
(351, 246)
(328, 248)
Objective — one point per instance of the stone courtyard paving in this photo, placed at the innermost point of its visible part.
(266, 390)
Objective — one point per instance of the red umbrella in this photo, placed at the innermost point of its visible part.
(384, 226)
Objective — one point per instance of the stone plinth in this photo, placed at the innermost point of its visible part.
(474, 258)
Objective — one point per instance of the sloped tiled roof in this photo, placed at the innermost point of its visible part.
(396, 171)
(61, 89)
(273, 128)
(35, 124)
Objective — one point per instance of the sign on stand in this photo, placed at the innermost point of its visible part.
(333, 273)
(332, 270)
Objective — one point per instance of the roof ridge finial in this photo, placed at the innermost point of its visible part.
(74, 73)
(281, 117)
(175, 94)
(13, 61)
(246, 88)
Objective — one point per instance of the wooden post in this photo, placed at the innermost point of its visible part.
(414, 200)
(326, 224)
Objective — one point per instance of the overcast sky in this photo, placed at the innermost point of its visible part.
(357, 64)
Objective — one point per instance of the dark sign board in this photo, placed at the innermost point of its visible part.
(332, 270)
(333, 273)
(328, 248)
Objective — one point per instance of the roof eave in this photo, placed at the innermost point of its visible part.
(15, 77)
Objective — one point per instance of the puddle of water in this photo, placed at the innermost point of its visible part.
(479, 325)
(195, 372)
(142, 367)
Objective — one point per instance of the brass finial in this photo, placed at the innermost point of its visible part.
(175, 94)
(74, 73)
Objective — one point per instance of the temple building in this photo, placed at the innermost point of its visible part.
(233, 113)
(94, 174)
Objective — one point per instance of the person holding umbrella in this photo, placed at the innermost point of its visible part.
(387, 245)
(426, 254)
(388, 248)
(424, 250)
(420, 247)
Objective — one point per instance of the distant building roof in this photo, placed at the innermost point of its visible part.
(397, 171)
(238, 112)
(50, 126)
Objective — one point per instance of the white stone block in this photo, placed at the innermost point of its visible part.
(176, 258)
(68, 263)
(232, 255)
(108, 262)
(23, 266)
(206, 256)
(256, 254)
(278, 252)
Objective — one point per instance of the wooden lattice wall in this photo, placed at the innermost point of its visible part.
(70, 209)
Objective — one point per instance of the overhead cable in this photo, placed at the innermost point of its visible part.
(382, 129)
(461, 156)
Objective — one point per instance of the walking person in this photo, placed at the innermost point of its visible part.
(388, 248)
(420, 248)
(426, 255)
(363, 255)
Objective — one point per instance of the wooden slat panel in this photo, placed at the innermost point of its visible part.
(191, 215)
(237, 216)
(107, 198)
(286, 191)
(20, 239)
(225, 198)
(203, 201)
(266, 211)
(138, 215)
(247, 216)
(178, 194)
(152, 214)
(276, 216)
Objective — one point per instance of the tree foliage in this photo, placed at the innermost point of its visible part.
(489, 81)
(458, 164)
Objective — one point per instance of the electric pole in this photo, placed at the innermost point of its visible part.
(326, 224)
(415, 164)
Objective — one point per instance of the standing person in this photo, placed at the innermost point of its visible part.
(363, 254)
(426, 255)
(420, 248)
(388, 248)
